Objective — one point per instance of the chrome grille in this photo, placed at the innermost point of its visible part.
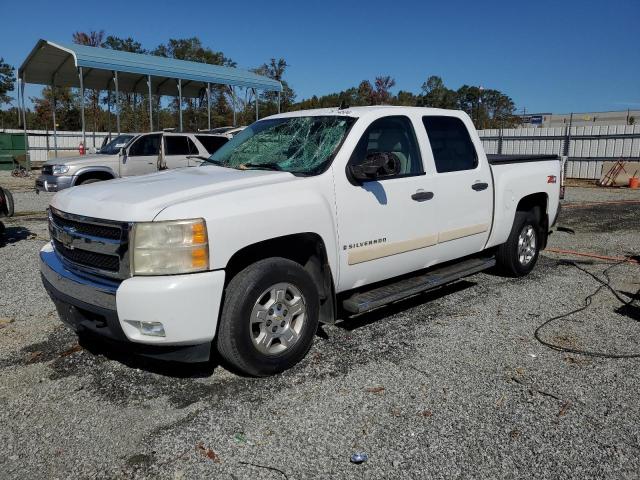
(92, 229)
(94, 246)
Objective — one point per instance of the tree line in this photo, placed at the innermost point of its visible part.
(488, 108)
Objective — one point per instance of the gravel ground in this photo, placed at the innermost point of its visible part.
(445, 384)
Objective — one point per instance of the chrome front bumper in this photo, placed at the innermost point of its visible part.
(53, 183)
(101, 295)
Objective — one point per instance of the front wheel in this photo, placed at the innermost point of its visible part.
(519, 254)
(269, 317)
(90, 180)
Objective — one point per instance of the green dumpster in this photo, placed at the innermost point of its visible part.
(12, 150)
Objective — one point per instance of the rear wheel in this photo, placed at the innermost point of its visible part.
(269, 317)
(519, 254)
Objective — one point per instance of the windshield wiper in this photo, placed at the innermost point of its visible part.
(207, 160)
(261, 166)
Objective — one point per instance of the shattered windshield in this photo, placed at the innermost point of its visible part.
(114, 146)
(302, 145)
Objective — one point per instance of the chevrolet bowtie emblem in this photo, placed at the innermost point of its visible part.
(66, 238)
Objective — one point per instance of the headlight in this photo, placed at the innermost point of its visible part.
(167, 248)
(60, 169)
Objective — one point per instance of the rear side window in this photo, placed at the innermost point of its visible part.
(212, 144)
(450, 143)
(176, 145)
(145, 145)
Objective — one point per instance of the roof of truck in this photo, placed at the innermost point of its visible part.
(362, 111)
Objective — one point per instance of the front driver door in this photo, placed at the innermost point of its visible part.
(387, 227)
(142, 156)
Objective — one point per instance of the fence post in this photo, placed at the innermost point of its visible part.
(567, 137)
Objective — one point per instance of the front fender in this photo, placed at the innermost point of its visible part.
(241, 218)
(102, 169)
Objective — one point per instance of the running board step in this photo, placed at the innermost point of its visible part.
(362, 302)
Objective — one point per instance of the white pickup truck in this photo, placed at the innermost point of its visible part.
(302, 217)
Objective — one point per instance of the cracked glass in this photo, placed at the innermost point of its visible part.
(299, 145)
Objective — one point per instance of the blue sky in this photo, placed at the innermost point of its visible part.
(549, 56)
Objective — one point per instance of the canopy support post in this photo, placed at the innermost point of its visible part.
(180, 102)
(53, 115)
(84, 133)
(208, 105)
(24, 122)
(109, 110)
(279, 101)
(255, 93)
(115, 81)
(233, 106)
(150, 104)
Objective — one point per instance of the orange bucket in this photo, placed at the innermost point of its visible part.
(634, 182)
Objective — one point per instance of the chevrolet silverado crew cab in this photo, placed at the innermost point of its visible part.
(301, 217)
(128, 155)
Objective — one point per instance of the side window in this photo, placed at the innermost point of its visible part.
(176, 145)
(391, 135)
(450, 143)
(212, 143)
(145, 145)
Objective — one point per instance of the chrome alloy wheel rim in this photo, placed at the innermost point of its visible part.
(277, 318)
(526, 245)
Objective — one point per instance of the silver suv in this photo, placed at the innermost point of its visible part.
(128, 155)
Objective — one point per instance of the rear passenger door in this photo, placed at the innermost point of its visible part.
(176, 150)
(142, 156)
(463, 187)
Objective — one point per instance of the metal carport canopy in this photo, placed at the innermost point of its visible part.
(58, 63)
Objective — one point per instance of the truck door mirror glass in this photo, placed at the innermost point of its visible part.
(376, 165)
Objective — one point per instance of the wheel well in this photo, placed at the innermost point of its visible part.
(97, 174)
(539, 200)
(307, 249)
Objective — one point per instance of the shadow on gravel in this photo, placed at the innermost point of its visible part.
(120, 354)
(352, 322)
(14, 235)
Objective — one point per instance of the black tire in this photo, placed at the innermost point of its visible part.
(235, 342)
(9, 200)
(2, 228)
(90, 180)
(508, 256)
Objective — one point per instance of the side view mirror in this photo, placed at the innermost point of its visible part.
(375, 165)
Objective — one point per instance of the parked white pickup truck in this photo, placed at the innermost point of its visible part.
(300, 218)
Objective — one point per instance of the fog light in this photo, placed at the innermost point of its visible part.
(152, 329)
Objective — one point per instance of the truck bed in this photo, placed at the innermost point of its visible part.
(502, 159)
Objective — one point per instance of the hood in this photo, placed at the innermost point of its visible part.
(91, 159)
(139, 199)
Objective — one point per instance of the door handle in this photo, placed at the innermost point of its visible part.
(421, 196)
(479, 186)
